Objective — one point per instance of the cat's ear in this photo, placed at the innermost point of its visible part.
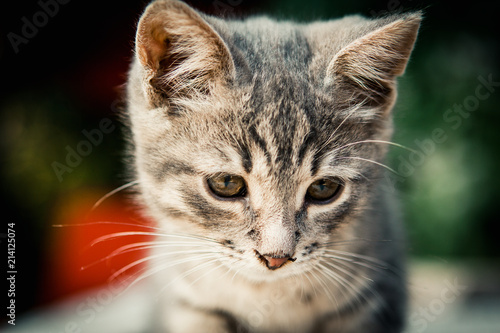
(363, 73)
(180, 51)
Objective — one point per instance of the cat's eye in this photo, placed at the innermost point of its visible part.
(227, 186)
(323, 190)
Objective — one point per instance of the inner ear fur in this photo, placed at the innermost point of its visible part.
(364, 72)
(180, 50)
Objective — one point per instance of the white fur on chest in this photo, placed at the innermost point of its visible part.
(289, 305)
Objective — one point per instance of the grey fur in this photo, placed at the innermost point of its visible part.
(280, 104)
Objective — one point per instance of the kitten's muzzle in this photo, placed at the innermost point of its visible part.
(273, 261)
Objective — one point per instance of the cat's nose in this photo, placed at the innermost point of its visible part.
(274, 262)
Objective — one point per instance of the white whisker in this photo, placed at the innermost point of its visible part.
(227, 272)
(355, 276)
(374, 141)
(105, 223)
(312, 285)
(113, 192)
(347, 287)
(325, 286)
(155, 256)
(377, 268)
(234, 275)
(189, 272)
(206, 273)
(376, 261)
(159, 267)
(143, 233)
(349, 241)
(297, 281)
(331, 137)
(371, 161)
(142, 246)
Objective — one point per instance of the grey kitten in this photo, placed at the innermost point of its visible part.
(258, 148)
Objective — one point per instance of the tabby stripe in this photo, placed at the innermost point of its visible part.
(210, 215)
(260, 142)
(317, 158)
(306, 144)
(246, 158)
(168, 168)
(332, 219)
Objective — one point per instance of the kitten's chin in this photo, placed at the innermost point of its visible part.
(264, 277)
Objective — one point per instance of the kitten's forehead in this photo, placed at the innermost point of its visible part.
(267, 47)
(274, 128)
(277, 122)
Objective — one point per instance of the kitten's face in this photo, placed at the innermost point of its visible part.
(265, 149)
(233, 175)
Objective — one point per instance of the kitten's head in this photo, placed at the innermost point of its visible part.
(263, 136)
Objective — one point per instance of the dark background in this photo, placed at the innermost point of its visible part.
(66, 78)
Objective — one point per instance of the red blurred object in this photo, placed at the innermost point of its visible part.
(82, 252)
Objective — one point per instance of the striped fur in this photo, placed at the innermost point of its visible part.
(280, 104)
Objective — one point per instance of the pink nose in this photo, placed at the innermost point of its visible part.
(275, 262)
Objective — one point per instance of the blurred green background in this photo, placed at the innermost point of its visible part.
(66, 77)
